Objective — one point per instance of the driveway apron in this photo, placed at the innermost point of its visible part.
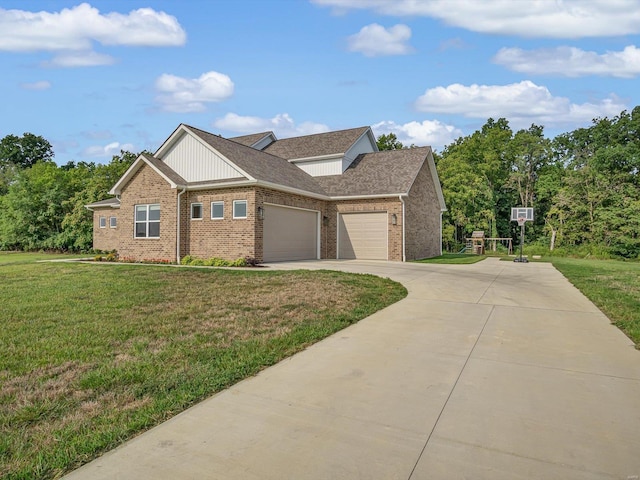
(495, 370)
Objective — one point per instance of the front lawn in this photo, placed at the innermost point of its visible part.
(613, 286)
(453, 258)
(94, 354)
(10, 258)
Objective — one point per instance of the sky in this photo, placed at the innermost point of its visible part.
(96, 78)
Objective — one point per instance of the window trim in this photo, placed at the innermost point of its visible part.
(246, 209)
(113, 222)
(146, 221)
(102, 221)
(218, 202)
(197, 204)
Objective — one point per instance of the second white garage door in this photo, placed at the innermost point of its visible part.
(289, 234)
(362, 235)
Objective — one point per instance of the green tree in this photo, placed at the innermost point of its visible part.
(389, 142)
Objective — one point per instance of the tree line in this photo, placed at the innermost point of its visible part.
(42, 203)
(583, 186)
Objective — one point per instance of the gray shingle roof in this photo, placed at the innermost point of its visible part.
(108, 202)
(380, 173)
(169, 172)
(250, 140)
(261, 166)
(316, 145)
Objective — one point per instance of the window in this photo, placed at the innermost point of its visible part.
(113, 222)
(147, 221)
(103, 222)
(239, 209)
(217, 210)
(196, 211)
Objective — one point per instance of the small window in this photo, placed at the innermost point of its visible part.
(147, 221)
(103, 222)
(217, 210)
(113, 222)
(196, 211)
(239, 209)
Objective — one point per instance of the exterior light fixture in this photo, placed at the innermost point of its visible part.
(394, 219)
(325, 220)
(261, 213)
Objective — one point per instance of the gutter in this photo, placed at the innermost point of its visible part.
(404, 253)
(184, 189)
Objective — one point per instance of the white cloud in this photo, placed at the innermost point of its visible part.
(374, 40)
(282, 125)
(428, 132)
(76, 29)
(521, 103)
(84, 58)
(179, 94)
(542, 18)
(41, 85)
(109, 150)
(571, 62)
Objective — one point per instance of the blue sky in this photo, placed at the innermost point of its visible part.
(94, 78)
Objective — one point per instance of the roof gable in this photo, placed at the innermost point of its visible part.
(259, 141)
(262, 167)
(170, 176)
(318, 145)
(391, 172)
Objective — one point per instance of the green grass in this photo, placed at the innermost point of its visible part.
(454, 258)
(11, 258)
(94, 354)
(612, 285)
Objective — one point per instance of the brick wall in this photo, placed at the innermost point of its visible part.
(147, 187)
(227, 238)
(106, 238)
(423, 218)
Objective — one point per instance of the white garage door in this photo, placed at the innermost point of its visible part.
(363, 235)
(289, 234)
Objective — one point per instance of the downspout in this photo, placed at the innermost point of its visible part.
(184, 189)
(404, 254)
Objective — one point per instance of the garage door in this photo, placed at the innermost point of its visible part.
(363, 235)
(289, 234)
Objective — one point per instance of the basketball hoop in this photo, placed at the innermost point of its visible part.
(521, 221)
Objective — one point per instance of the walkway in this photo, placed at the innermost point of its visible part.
(488, 371)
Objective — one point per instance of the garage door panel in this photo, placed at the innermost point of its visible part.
(289, 234)
(363, 235)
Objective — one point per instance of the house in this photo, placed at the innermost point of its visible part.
(329, 195)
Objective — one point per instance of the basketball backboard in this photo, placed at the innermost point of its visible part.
(522, 212)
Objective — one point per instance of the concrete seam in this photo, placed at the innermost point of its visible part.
(450, 393)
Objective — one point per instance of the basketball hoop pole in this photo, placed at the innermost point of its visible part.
(521, 259)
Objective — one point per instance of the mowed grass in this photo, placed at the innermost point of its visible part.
(94, 354)
(13, 258)
(613, 286)
(454, 259)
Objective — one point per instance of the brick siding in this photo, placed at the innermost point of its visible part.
(422, 212)
(106, 238)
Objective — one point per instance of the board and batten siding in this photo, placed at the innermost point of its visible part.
(195, 163)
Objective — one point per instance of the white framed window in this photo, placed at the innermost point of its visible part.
(217, 210)
(239, 209)
(196, 211)
(103, 222)
(113, 222)
(147, 221)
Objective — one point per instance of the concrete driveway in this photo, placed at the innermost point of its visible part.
(491, 371)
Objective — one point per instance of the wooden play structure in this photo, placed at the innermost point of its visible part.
(477, 243)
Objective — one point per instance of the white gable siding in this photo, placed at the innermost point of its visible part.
(318, 168)
(194, 162)
(363, 145)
